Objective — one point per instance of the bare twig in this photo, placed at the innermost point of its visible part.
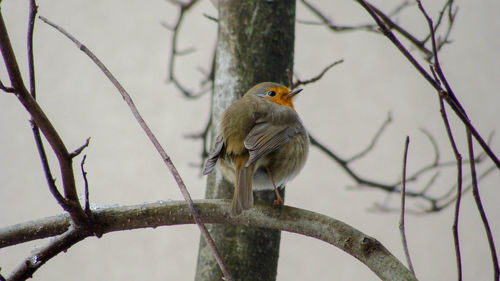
(392, 25)
(36, 131)
(183, 9)
(84, 175)
(480, 208)
(402, 216)
(154, 140)
(444, 204)
(65, 162)
(451, 14)
(317, 77)
(360, 180)
(458, 157)
(437, 70)
(203, 136)
(33, 9)
(79, 150)
(6, 89)
(449, 97)
(334, 27)
(344, 163)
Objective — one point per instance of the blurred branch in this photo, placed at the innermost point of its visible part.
(183, 9)
(317, 77)
(334, 27)
(366, 249)
(402, 215)
(374, 139)
(153, 139)
(203, 135)
(436, 203)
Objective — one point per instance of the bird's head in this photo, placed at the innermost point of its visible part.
(274, 92)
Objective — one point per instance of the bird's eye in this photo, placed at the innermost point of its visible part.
(271, 93)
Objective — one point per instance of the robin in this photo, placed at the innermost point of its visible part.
(263, 143)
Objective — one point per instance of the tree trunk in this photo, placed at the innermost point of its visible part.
(255, 44)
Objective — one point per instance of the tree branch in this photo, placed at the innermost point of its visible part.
(449, 96)
(458, 157)
(475, 191)
(334, 27)
(65, 162)
(30, 265)
(364, 248)
(482, 213)
(402, 215)
(183, 9)
(317, 77)
(33, 9)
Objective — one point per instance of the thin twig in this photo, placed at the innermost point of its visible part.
(402, 216)
(154, 140)
(449, 97)
(374, 140)
(437, 70)
(33, 9)
(37, 114)
(183, 8)
(203, 135)
(458, 157)
(317, 77)
(334, 27)
(465, 190)
(36, 131)
(360, 180)
(392, 25)
(79, 150)
(480, 208)
(84, 174)
(6, 89)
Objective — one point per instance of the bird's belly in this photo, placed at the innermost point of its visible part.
(284, 164)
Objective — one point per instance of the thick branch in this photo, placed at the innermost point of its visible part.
(364, 248)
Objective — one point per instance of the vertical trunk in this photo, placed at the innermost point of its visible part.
(255, 44)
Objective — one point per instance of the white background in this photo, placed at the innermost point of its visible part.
(343, 110)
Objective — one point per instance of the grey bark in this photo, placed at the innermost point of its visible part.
(255, 44)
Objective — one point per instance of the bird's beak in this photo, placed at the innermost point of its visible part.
(294, 92)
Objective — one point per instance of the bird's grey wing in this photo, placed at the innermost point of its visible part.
(265, 138)
(214, 155)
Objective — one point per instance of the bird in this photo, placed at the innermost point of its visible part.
(262, 144)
